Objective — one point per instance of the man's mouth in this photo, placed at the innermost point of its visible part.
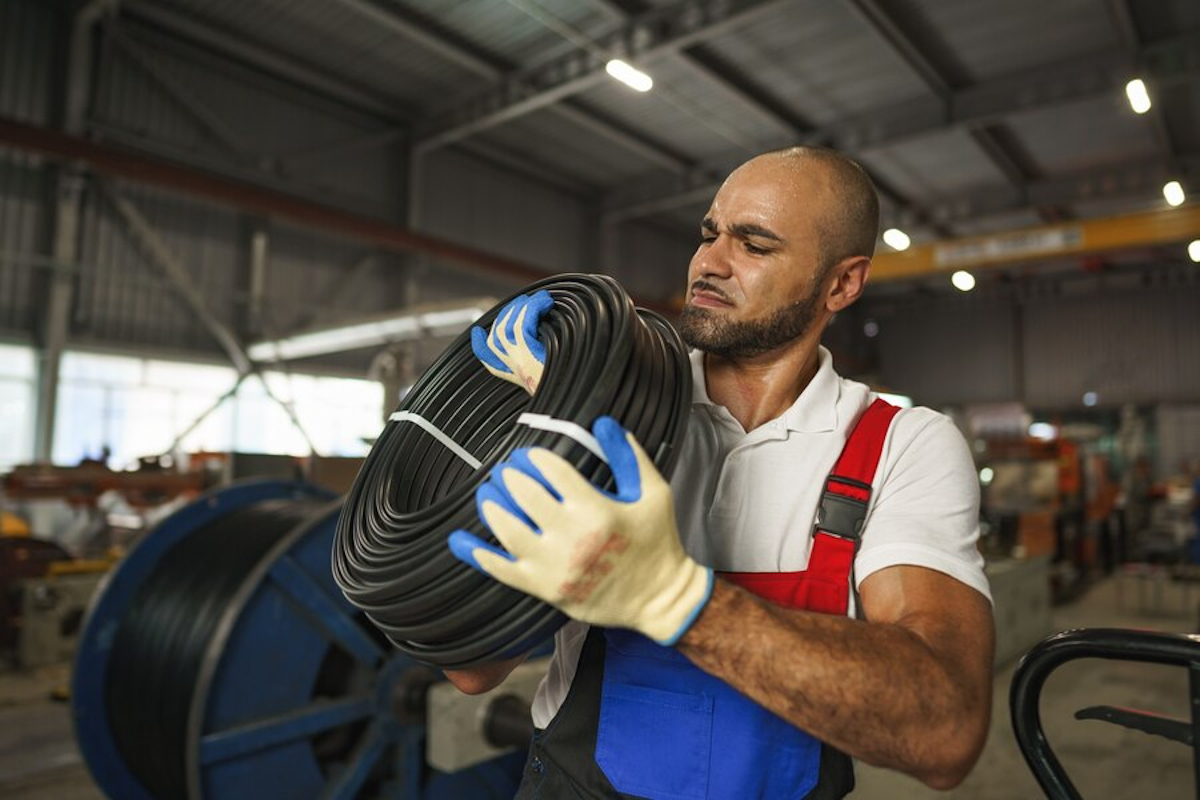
(706, 295)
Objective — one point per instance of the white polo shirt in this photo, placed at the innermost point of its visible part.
(746, 502)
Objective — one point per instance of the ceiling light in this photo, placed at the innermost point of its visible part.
(896, 239)
(963, 280)
(1194, 250)
(985, 475)
(1090, 399)
(628, 75)
(1139, 98)
(1173, 191)
(418, 322)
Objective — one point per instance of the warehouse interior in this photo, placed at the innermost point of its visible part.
(234, 234)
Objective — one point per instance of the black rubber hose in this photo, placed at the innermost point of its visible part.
(603, 356)
(160, 643)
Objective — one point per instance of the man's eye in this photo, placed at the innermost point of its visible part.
(756, 250)
(707, 238)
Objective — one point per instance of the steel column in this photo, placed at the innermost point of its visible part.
(64, 247)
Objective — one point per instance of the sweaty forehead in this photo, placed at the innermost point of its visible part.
(777, 192)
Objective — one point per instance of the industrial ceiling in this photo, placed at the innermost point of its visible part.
(972, 117)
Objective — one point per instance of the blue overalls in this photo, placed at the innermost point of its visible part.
(640, 720)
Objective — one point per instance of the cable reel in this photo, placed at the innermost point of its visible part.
(221, 661)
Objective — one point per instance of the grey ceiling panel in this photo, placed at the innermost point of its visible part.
(946, 163)
(552, 143)
(1084, 135)
(990, 38)
(820, 58)
(341, 41)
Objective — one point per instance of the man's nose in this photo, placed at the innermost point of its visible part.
(715, 258)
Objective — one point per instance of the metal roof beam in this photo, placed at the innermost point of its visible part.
(1130, 179)
(1176, 59)
(617, 133)
(1117, 180)
(901, 39)
(1121, 13)
(434, 38)
(644, 38)
(941, 79)
(232, 44)
(467, 55)
(716, 70)
(113, 162)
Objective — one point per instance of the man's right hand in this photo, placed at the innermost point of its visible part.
(511, 350)
(485, 677)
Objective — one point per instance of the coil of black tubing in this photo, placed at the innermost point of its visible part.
(159, 647)
(390, 558)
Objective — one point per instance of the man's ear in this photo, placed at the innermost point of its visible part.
(849, 280)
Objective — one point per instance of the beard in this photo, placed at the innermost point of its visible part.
(706, 330)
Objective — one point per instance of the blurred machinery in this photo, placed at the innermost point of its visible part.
(221, 661)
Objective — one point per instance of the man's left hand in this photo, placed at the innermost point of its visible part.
(613, 560)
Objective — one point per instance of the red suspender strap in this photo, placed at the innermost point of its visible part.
(844, 504)
(825, 586)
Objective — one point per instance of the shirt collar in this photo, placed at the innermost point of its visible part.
(815, 410)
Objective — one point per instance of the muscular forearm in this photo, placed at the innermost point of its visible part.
(877, 691)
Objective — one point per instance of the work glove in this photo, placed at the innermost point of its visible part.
(511, 350)
(612, 560)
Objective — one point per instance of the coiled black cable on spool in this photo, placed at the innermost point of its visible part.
(159, 646)
(390, 556)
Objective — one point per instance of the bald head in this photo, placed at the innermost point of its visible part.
(849, 220)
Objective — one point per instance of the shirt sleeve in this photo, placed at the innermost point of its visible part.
(925, 509)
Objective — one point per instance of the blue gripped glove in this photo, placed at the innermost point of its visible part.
(613, 560)
(511, 350)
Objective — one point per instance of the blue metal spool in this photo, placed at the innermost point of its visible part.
(257, 722)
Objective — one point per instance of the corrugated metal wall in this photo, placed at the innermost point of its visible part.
(124, 297)
(319, 279)
(171, 98)
(1129, 347)
(473, 202)
(27, 46)
(1128, 342)
(23, 222)
(951, 351)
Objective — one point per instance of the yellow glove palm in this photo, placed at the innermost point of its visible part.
(610, 560)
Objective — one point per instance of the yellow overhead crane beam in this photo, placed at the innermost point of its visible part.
(1044, 243)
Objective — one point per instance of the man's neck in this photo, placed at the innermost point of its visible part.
(756, 390)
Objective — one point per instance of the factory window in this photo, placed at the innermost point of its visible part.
(135, 407)
(18, 380)
(338, 414)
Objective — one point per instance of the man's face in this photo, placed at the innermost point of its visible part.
(756, 281)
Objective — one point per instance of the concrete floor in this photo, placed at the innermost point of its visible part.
(39, 761)
(1103, 760)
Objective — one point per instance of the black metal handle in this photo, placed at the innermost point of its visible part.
(1175, 649)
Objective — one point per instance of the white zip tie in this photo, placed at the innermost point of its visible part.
(432, 430)
(567, 428)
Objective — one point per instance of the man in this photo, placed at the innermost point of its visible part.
(695, 686)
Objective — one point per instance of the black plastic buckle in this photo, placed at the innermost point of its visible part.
(839, 515)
